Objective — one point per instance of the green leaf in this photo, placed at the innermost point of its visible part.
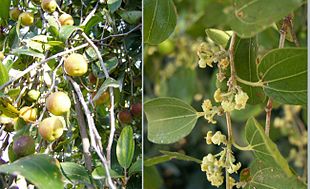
(169, 156)
(284, 74)
(136, 167)
(131, 17)
(125, 147)
(5, 9)
(53, 25)
(151, 178)
(169, 119)
(114, 5)
(66, 31)
(110, 82)
(28, 52)
(160, 19)
(263, 147)
(41, 170)
(92, 22)
(219, 37)
(246, 68)
(100, 173)
(74, 172)
(250, 17)
(266, 176)
(4, 74)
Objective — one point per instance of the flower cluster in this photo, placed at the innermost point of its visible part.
(208, 53)
(214, 165)
(210, 111)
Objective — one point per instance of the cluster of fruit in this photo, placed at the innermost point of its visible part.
(49, 6)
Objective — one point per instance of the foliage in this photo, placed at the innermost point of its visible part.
(251, 57)
(102, 78)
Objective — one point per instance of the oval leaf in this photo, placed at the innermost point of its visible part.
(4, 9)
(114, 5)
(41, 170)
(66, 31)
(125, 147)
(74, 172)
(169, 119)
(160, 19)
(284, 73)
(246, 68)
(4, 74)
(219, 37)
(136, 167)
(251, 17)
(262, 146)
(100, 173)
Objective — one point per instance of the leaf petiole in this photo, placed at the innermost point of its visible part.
(253, 84)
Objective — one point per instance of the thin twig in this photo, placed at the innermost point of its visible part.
(93, 133)
(112, 116)
(119, 35)
(33, 66)
(83, 133)
(268, 108)
(231, 84)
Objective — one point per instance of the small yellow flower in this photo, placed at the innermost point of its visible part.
(228, 106)
(208, 137)
(224, 63)
(241, 98)
(218, 95)
(207, 106)
(218, 138)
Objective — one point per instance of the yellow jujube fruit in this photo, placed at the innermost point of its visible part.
(49, 5)
(26, 18)
(58, 103)
(75, 65)
(28, 114)
(51, 128)
(66, 20)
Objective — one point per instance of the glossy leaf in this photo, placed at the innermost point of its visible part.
(169, 119)
(160, 18)
(4, 74)
(250, 17)
(100, 173)
(41, 170)
(219, 37)
(284, 73)
(169, 156)
(131, 17)
(74, 172)
(66, 31)
(125, 147)
(5, 9)
(266, 176)
(114, 5)
(92, 22)
(106, 84)
(246, 68)
(263, 147)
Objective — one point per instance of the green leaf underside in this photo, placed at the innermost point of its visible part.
(28, 52)
(74, 172)
(246, 68)
(159, 20)
(39, 169)
(136, 167)
(114, 5)
(169, 156)
(125, 147)
(250, 17)
(263, 147)
(268, 176)
(4, 75)
(284, 72)
(169, 119)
